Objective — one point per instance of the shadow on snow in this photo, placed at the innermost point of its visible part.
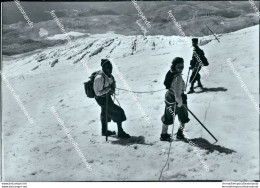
(217, 89)
(206, 145)
(130, 141)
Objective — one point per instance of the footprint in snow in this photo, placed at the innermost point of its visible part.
(35, 149)
(33, 173)
(8, 134)
(177, 176)
(46, 152)
(92, 121)
(57, 147)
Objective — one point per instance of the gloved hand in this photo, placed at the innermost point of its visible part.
(111, 92)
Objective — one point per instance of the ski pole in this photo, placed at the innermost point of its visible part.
(106, 115)
(201, 123)
(187, 79)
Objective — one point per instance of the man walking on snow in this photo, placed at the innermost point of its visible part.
(104, 87)
(198, 60)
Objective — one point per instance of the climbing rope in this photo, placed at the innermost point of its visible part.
(169, 151)
(141, 91)
(116, 100)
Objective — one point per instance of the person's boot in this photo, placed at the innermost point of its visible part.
(165, 137)
(191, 90)
(106, 132)
(200, 85)
(121, 132)
(180, 134)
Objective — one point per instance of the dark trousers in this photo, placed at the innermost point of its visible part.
(182, 112)
(195, 76)
(114, 112)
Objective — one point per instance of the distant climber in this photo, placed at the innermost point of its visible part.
(198, 60)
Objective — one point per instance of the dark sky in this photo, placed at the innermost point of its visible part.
(36, 11)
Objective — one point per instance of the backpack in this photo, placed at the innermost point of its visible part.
(168, 79)
(204, 61)
(201, 56)
(89, 85)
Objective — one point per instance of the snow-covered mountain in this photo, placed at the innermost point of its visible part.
(55, 76)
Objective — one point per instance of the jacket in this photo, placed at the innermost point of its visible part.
(177, 88)
(103, 84)
(194, 63)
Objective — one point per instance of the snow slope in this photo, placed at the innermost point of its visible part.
(54, 77)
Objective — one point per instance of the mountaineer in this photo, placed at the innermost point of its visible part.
(104, 87)
(174, 98)
(198, 60)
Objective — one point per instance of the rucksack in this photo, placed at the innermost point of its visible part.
(168, 79)
(89, 85)
(204, 61)
(202, 57)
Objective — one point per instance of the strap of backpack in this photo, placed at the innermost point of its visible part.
(103, 79)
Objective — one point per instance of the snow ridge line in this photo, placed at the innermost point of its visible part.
(100, 49)
(108, 55)
(81, 51)
(84, 64)
(87, 47)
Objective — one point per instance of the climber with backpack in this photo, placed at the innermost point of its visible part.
(101, 86)
(175, 99)
(198, 60)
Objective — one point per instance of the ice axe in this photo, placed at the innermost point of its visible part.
(187, 79)
(212, 33)
(201, 124)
